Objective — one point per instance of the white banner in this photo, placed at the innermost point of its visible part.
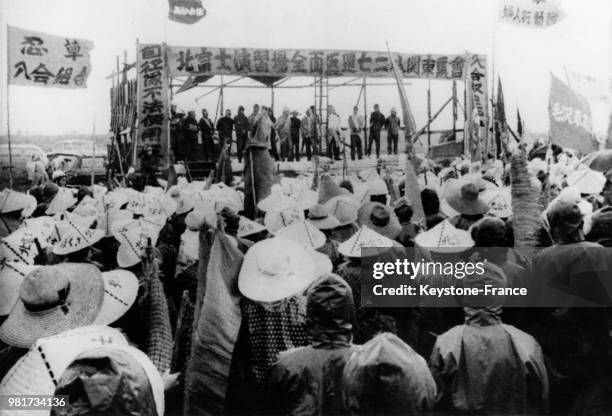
(530, 13)
(43, 60)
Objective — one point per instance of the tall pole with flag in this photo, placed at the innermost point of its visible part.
(411, 190)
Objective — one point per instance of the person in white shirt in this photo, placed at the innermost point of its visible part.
(333, 133)
(356, 125)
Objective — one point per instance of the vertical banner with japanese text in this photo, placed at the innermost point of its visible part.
(153, 100)
(476, 81)
(570, 118)
(42, 60)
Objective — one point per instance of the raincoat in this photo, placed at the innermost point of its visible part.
(487, 367)
(308, 380)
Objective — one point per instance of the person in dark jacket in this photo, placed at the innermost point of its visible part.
(308, 380)
(207, 130)
(241, 126)
(189, 141)
(377, 122)
(392, 125)
(296, 124)
(225, 125)
(431, 207)
(273, 147)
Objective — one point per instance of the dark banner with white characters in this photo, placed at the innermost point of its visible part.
(186, 11)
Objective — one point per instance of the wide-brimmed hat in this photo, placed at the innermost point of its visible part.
(202, 212)
(344, 207)
(377, 187)
(379, 218)
(464, 197)
(319, 217)
(303, 233)
(499, 201)
(445, 238)
(19, 246)
(225, 197)
(114, 200)
(37, 372)
(77, 238)
(364, 238)
(63, 199)
(53, 299)
(276, 199)
(120, 292)
(44, 228)
(12, 274)
(274, 219)
(17, 201)
(112, 379)
(274, 269)
(134, 238)
(110, 219)
(587, 180)
(248, 227)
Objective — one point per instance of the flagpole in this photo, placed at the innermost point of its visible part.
(8, 116)
(93, 147)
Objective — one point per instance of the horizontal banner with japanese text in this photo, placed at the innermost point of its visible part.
(44, 60)
(184, 60)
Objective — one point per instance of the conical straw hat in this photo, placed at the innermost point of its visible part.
(445, 238)
(120, 291)
(11, 276)
(275, 220)
(364, 238)
(248, 227)
(17, 201)
(63, 200)
(303, 233)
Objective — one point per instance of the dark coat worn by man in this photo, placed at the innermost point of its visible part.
(308, 380)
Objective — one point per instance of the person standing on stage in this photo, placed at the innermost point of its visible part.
(189, 141)
(273, 148)
(356, 125)
(308, 128)
(377, 122)
(333, 133)
(207, 130)
(241, 126)
(392, 125)
(225, 125)
(294, 150)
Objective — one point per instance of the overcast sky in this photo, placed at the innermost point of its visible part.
(523, 57)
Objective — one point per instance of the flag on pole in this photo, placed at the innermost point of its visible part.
(186, 11)
(500, 120)
(43, 60)
(412, 191)
(531, 13)
(570, 118)
(519, 123)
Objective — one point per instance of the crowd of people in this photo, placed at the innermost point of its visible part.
(290, 137)
(176, 297)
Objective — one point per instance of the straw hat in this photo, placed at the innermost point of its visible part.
(364, 238)
(134, 239)
(77, 238)
(63, 200)
(202, 212)
(44, 228)
(379, 218)
(53, 299)
(19, 246)
(304, 198)
(377, 187)
(304, 233)
(464, 198)
(499, 201)
(445, 238)
(110, 219)
(369, 174)
(11, 276)
(344, 208)
(225, 196)
(361, 192)
(276, 199)
(319, 217)
(587, 180)
(114, 200)
(120, 292)
(274, 269)
(328, 189)
(131, 381)
(160, 205)
(274, 220)
(37, 372)
(17, 201)
(248, 227)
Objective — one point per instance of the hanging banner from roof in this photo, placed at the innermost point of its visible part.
(153, 101)
(570, 118)
(476, 82)
(185, 60)
(42, 60)
(530, 13)
(186, 11)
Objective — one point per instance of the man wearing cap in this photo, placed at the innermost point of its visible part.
(392, 125)
(377, 122)
(225, 125)
(296, 124)
(241, 126)
(356, 125)
(485, 366)
(283, 127)
(206, 131)
(308, 380)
